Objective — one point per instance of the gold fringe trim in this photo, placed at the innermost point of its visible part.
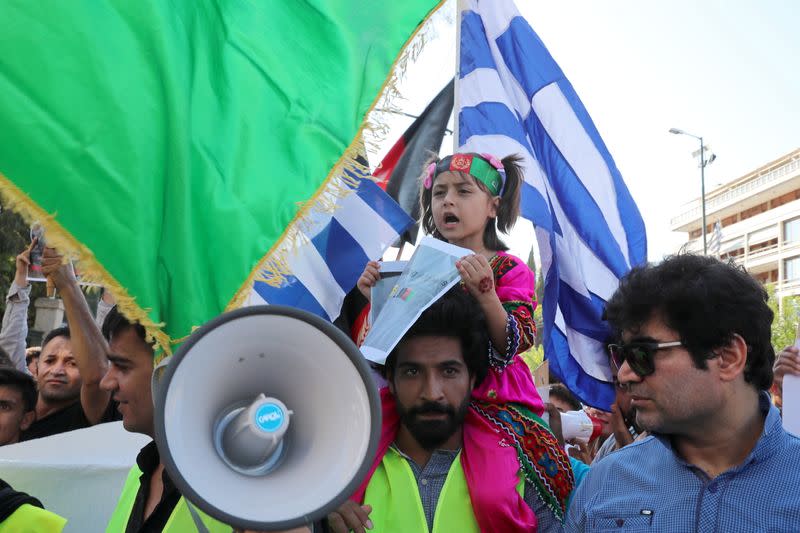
(274, 265)
(90, 268)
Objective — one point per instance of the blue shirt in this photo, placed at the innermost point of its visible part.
(645, 486)
(579, 470)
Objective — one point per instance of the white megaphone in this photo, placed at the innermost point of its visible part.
(578, 425)
(266, 418)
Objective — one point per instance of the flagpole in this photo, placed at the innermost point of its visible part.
(460, 6)
(400, 251)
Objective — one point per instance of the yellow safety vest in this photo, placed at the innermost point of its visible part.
(31, 519)
(396, 506)
(180, 521)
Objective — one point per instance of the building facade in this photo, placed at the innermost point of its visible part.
(759, 215)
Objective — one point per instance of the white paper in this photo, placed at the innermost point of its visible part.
(429, 274)
(379, 294)
(78, 475)
(791, 403)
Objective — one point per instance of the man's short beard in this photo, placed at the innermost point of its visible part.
(58, 396)
(430, 434)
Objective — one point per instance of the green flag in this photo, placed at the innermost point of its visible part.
(172, 145)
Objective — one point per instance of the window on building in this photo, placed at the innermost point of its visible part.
(791, 268)
(791, 230)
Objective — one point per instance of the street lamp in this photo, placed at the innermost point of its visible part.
(703, 164)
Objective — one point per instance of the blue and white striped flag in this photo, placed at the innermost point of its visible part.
(512, 97)
(715, 242)
(335, 249)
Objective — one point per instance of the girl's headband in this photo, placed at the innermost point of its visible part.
(485, 168)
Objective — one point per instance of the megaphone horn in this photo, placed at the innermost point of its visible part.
(579, 425)
(267, 418)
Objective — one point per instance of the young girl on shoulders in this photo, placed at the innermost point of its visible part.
(466, 198)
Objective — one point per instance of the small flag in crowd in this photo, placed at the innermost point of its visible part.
(171, 145)
(512, 97)
(401, 168)
(337, 247)
(715, 242)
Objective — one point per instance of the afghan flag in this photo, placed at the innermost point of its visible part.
(401, 168)
(174, 148)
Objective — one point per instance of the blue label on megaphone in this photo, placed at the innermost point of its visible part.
(269, 417)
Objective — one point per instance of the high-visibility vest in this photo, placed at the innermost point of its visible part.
(31, 519)
(396, 505)
(179, 521)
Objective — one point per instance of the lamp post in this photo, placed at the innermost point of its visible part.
(703, 164)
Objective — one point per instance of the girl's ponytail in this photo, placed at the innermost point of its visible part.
(508, 210)
(425, 200)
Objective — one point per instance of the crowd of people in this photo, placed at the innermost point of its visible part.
(693, 442)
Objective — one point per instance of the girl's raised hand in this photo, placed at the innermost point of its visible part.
(368, 279)
(477, 275)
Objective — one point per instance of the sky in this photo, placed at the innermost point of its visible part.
(723, 70)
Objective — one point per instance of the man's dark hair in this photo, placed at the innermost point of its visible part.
(706, 302)
(560, 391)
(115, 323)
(32, 353)
(11, 377)
(62, 331)
(456, 314)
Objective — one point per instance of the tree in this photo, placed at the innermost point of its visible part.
(537, 313)
(535, 355)
(784, 325)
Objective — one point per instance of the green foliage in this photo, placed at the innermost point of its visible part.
(537, 313)
(533, 357)
(784, 325)
(14, 236)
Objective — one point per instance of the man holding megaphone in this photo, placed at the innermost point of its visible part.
(150, 501)
(421, 482)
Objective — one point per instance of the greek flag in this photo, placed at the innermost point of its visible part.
(715, 243)
(512, 97)
(337, 246)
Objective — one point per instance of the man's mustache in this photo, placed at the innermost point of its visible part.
(428, 408)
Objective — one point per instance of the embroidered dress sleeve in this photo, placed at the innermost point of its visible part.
(514, 283)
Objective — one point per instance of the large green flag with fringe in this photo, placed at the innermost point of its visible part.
(172, 147)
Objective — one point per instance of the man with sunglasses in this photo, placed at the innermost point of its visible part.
(694, 353)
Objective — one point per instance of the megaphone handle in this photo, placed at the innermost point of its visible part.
(198, 522)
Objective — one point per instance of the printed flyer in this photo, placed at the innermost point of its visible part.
(429, 274)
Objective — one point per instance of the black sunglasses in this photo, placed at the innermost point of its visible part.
(639, 355)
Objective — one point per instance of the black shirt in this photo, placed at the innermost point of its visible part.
(67, 419)
(148, 460)
(11, 500)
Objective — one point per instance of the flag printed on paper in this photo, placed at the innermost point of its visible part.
(175, 147)
(405, 294)
(513, 98)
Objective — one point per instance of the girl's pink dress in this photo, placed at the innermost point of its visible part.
(504, 435)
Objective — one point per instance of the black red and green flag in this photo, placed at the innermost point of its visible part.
(400, 169)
